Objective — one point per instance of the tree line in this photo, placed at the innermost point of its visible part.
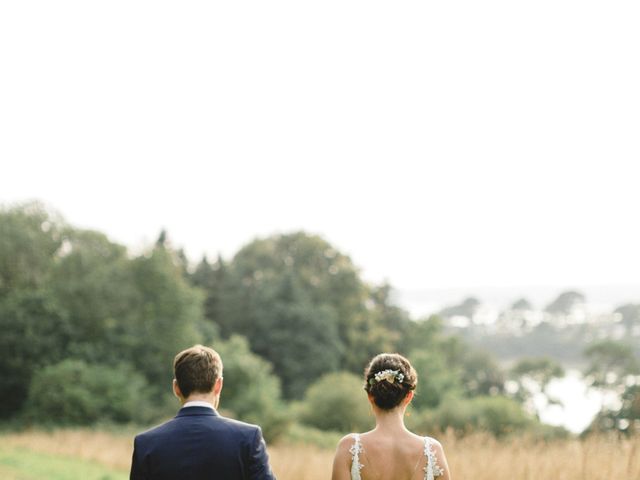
(89, 331)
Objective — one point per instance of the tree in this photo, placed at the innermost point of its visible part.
(532, 377)
(300, 339)
(278, 287)
(481, 375)
(326, 275)
(565, 303)
(35, 329)
(387, 313)
(212, 279)
(35, 332)
(630, 315)
(522, 304)
(628, 417)
(30, 237)
(609, 363)
(466, 309)
(251, 391)
(422, 334)
(166, 319)
(94, 284)
(74, 392)
(437, 381)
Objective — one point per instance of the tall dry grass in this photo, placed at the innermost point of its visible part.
(476, 457)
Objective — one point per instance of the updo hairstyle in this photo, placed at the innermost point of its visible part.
(388, 392)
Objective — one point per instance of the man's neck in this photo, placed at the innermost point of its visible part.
(197, 403)
(208, 398)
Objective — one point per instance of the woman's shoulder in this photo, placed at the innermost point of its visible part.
(434, 451)
(433, 441)
(348, 441)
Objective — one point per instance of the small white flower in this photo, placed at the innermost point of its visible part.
(389, 375)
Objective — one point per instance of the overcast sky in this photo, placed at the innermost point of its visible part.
(440, 144)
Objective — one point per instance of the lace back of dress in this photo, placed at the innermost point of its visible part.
(431, 469)
(356, 450)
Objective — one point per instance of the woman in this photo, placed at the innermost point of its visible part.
(389, 451)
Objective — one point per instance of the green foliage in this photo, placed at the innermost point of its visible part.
(481, 374)
(422, 334)
(498, 415)
(449, 363)
(67, 293)
(212, 279)
(326, 275)
(29, 238)
(625, 420)
(166, 319)
(532, 376)
(614, 367)
(89, 330)
(280, 286)
(298, 358)
(251, 392)
(436, 380)
(629, 414)
(609, 363)
(35, 333)
(76, 393)
(564, 344)
(337, 402)
(94, 285)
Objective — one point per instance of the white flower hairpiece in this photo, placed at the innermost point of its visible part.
(389, 375)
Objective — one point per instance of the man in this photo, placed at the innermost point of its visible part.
(199, 444)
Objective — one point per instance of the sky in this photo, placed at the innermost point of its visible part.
(439, 144)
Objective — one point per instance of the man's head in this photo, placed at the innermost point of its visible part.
(198, 374)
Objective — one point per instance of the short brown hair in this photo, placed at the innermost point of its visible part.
(196, 369)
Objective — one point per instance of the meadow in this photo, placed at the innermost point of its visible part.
(101, 455)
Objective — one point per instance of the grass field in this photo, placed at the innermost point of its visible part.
(89, 455)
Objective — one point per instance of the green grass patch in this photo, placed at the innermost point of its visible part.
(22, 464)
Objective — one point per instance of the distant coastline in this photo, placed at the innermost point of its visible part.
(428, 301)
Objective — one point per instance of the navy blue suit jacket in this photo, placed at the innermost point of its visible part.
(199, 444)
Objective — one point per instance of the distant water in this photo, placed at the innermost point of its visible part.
(580, 404)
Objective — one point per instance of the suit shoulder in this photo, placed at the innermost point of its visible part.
(157, 430)
(247, 428)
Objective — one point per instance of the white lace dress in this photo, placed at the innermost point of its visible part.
(431, 469)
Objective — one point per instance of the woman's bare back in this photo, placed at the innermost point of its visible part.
(401, 457)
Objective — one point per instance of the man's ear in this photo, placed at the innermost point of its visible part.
(217, 387)
(176, 389)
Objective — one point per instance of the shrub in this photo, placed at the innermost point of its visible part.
(497, 415)
(251, 391)
(337, 402)
(76, 393)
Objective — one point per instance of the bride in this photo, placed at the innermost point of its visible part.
(389, 451)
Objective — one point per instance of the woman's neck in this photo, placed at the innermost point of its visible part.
(390, 420)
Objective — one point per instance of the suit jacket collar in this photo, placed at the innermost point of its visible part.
(191, 411)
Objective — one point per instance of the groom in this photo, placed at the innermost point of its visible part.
(199, 444)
